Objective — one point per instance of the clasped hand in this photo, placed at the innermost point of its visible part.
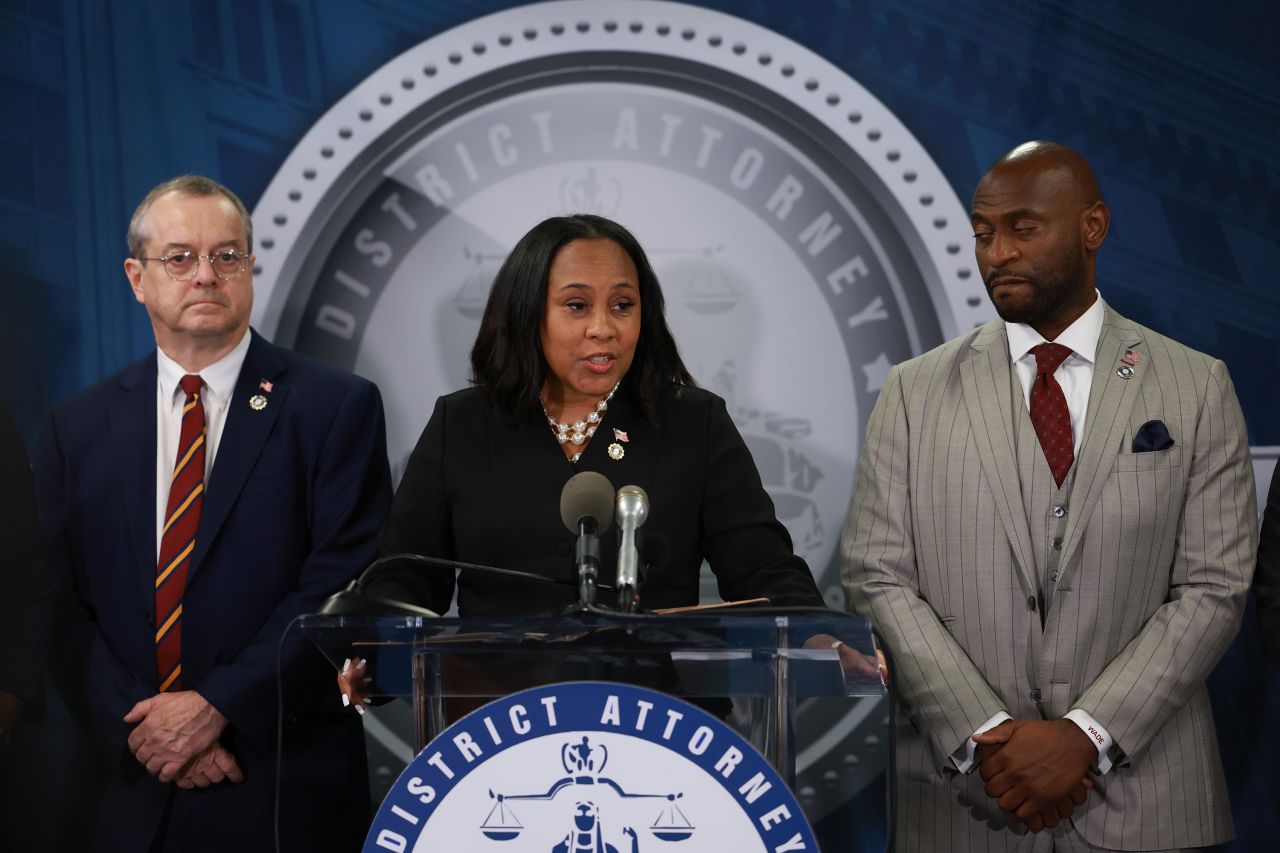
(176, 739)
(1036, 769)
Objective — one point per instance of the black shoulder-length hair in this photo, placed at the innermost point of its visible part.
(507, 359)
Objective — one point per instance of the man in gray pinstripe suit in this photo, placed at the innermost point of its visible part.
(1053, 620)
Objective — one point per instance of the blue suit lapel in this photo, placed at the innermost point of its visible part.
(132, 419)
(243, 436)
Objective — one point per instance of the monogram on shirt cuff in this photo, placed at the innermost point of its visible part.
(1101, 739)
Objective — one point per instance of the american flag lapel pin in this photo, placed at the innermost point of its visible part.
(1127, 364)
(258, 402)
(616, 450)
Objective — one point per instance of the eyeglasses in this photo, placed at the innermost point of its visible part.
(182, 266)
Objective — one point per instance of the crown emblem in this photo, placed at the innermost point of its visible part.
(584, 760)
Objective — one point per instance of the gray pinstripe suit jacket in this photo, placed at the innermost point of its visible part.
(1155, 564)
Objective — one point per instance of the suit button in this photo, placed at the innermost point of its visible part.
(1053, 576)
(1035, 695)
(1057, 510)
(1031, 603)
(1056, 543)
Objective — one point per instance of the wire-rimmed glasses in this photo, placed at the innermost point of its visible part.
(182, 266)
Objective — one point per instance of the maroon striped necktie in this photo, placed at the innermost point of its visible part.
(1049, 413)
(178, 541)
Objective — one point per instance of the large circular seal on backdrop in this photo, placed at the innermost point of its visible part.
(805, 240)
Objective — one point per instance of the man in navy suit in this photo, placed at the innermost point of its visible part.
(193, 505)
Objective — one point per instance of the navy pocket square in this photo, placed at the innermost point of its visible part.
(1153, 435)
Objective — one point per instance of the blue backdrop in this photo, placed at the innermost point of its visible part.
(1177, 105)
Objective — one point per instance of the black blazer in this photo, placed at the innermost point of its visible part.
(483, 491)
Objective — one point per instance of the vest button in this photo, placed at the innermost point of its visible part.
(1057, 510)
(1035, 695)
(1053, 576)
(1056, 542)
(1031, 603)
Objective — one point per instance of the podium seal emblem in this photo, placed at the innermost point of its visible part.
(589, 766)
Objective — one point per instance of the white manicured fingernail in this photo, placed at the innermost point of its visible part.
(359, 709)
(346, 666)
(361, 664)
(346, 700)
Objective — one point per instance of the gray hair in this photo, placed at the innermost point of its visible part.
(187, 185)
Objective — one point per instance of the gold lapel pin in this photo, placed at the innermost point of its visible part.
(258, 402)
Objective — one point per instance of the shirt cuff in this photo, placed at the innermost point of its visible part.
(1100, 737)
(963, 758)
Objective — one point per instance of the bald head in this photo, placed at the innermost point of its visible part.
(1038, 221)
(1073, 172)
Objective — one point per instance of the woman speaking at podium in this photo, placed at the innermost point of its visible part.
(575, 369)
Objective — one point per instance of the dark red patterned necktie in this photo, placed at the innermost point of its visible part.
(1049, 413)
(178, 541)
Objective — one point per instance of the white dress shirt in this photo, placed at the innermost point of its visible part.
(1075, 375)
(219, 382)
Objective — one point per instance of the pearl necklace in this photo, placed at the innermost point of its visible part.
(581, 430)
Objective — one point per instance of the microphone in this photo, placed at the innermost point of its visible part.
(355, 600)
(631, 509)
(586, 508)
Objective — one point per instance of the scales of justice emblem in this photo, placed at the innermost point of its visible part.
(584, 764)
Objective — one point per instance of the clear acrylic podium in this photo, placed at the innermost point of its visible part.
(765, 660)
